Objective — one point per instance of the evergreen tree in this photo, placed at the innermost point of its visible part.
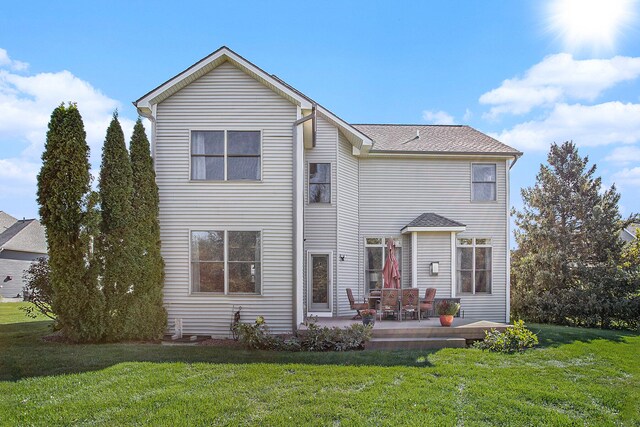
(116, 190)
(565, 267)
(63, 185)
(147, 314)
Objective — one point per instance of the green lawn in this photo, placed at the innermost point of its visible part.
(577, 377)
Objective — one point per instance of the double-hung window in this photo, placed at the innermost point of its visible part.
(226, 262)
(375, 256)
(319, 182)
(225, 155)
(473, 266)
(483, 182)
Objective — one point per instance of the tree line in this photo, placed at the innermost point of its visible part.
(570, 266)
(105, 269)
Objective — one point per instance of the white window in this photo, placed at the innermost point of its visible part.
(220, 155)
(473, 263)
(319, 182)
(375, 255)
(483, 182)
(226, 262)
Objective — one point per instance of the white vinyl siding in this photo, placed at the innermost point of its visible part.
(226, 98)
(320, 219)
(347, 187)
(394, 191)
(434, 247)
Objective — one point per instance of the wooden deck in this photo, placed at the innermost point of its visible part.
(412, 334)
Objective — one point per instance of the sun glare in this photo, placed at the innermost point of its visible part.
(591, 25)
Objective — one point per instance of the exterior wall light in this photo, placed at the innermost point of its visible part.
(435, 268)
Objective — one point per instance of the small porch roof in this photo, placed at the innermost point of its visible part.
(432, 222)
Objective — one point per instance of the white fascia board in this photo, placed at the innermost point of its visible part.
(633, 236)
(451, 154)
(407, 230)
(144, 102)
(365, 142)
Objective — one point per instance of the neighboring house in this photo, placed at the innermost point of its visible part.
(629, 234)
(271, 202)
(21, 242)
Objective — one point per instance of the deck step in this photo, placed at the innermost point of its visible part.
(405, 343)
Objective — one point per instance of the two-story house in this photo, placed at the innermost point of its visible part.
(271, 202)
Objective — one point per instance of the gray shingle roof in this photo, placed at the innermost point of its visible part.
(433, 139)
(26, 235)
(433, 220)
(6, 221)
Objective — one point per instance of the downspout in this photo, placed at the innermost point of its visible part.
(515, 159)
(298, 218)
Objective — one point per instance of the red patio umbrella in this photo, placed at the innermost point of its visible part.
(390, 271)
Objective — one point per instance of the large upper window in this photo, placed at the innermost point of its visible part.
(218, 155)
(473, 266)
(483, 182)
(225, 261)
(319, 182)
(375, 256)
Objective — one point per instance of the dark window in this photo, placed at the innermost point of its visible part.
(242, 160)
(243, 155)
(210, 260)
(207, 261)
(483, 182)
(207, 155)
(473, 263)
(319, 182)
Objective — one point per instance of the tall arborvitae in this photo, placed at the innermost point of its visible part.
(116, 191)
(148, 315)
(63, 187)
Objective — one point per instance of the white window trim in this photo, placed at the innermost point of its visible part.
(328, 313)
(397, 240)
(495, 183)
(226, 292)
(225, 130)
(473, 245)
(308, 201)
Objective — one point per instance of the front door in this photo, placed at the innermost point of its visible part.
(319, 282)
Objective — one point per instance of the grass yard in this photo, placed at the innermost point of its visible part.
(577, 377)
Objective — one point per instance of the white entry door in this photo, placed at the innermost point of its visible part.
(319, 283)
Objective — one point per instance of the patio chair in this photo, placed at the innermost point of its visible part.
(427, 304)
(354, 305)
(389, 301)
(410, 302)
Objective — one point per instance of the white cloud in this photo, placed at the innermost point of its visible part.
(559, 78)
(624, 155)
(468, 114)
(26, 103)
(438, 117)
(627, 178)
(7, 62)
(601, 124)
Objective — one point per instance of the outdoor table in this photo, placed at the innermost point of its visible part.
(374, 300)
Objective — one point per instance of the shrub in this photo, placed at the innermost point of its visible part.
(447, 308)
(37, 289)
(315, 338)
(515, 339)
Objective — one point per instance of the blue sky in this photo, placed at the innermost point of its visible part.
(527, 72)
